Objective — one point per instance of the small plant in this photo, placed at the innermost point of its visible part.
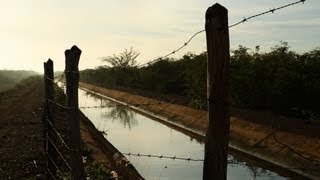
(98, 171)
(86, 151)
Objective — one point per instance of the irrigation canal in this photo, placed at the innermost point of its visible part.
(131, 132)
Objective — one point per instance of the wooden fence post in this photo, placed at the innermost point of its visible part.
(217, 137)
(48, 117)
(72, 79)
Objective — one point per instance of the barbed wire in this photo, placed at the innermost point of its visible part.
(51, 174)
(158, 103)
(60, 80)
(100, 106)
(162, 156)
(104, 106)
(230, 26)
(58, 134)
(266, 12)
(57, 150)
(174, 51)
(54, 164)
(161, 101)
(119, 105)
(199, 160)
(230, 162)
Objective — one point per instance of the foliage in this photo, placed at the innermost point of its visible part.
(280, 80)
(124, 59)
(97, 171)
(85, 150)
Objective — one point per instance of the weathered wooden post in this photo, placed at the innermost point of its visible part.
(72, 79)
(48, 117)
(217, 137)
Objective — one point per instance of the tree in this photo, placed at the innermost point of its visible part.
(124, 59)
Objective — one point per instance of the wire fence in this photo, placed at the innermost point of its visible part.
(230, 161)
(61, 80)
(163, 157)
(245, 19)
(56, 146)
(64, 157)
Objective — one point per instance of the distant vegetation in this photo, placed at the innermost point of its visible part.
(280, 80)
(8, 78)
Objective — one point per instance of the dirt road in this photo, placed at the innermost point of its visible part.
(21, 132)
(22, 149)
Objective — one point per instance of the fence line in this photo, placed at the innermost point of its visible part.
(201, 160)
(105, 106)
(231, 26)
(162, 156)
(52, 150)
(58, 134)
(51, 174)
(75, 166)
(62, 157)
(55, 165)
(266, 12)
(188, 159)
(160, 103)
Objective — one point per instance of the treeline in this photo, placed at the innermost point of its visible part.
(280, 80)
(8, 78)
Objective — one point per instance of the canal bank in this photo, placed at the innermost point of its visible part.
(101, 150)
(289, 150)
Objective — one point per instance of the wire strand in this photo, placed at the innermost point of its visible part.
(231, 26)
(57, 150)
(54, 164)
(58, 134)
(162, 157)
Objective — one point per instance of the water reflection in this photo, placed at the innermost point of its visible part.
(115, 112)
(122, 114)
(256, 172)
(252, 168)
(135, 133)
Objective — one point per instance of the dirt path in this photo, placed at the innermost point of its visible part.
(22, 152)
(21, 137)
(282, 144)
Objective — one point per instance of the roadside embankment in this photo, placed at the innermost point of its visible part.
(294, 149)
(102, 150)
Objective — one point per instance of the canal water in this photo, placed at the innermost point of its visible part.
(131, 132)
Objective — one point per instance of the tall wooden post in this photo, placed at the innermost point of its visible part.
(48, 117)
(217, 137)
(72, 79)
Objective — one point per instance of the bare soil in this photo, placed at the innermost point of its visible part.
(21, 132)
(22, 143)
(289, 143)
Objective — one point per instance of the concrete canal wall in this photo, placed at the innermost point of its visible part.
(280, 149)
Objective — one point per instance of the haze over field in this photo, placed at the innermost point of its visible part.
(9, 78)
(33, 31)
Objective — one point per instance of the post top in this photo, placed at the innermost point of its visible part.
(74, 50)
(49, 61)
(215, 9)
(72, 58)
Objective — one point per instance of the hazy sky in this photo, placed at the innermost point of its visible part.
(31, 31)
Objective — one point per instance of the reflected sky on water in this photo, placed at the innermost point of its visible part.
(131, 132)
